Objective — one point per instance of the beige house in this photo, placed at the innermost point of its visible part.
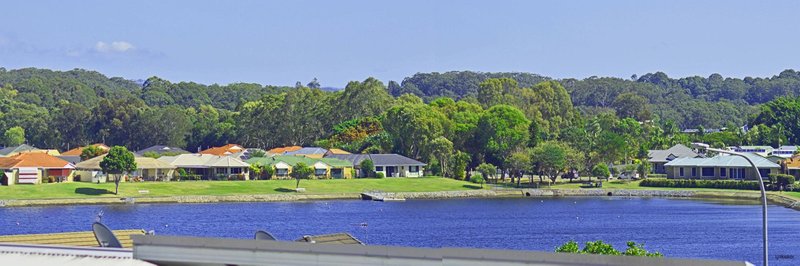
(210, 167)
(147, 169)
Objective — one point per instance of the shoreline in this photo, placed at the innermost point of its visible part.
(503, 193)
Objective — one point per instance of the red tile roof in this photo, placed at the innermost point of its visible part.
(282, 150)
(33, 159)
(77, 151)
(224, 150)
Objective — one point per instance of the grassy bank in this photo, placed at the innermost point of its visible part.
(635, 185)
(214, 188)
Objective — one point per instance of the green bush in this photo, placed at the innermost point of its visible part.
(600, 170)
(379, 175)
(781, 181)
(599, 247)
(477, 178)
(699, 183)
(656, 176)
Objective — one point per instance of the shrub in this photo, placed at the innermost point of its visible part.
(368, 168)
(781, 181)
(600, 170)
(379, 175)
(599, 247)
(695, 183)
(477, 178)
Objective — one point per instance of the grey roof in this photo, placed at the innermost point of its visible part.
(677, 151)
(724, 161)
(73, 159)
(356, 159)
(393, 159)
(307, 150)
(20, 148)
(161, 149)
(378, 159)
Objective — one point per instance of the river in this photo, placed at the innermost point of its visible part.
(675, 227)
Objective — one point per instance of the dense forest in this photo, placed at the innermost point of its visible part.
(448, 119)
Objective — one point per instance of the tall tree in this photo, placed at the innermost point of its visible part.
(502, 130)
(14, 136)
(119, 161)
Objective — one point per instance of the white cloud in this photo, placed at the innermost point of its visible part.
(113, 47)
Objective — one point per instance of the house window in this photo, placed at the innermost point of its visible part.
(322, 171)
(337, 173)
(236, 170)
(681, 171)
(379, 168)
(220, 171)
(413, 169)
(708, 171)
(281, 171)
(694, 172)
(764, 172)
(722, 172)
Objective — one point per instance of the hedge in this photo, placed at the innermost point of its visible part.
(699, 183)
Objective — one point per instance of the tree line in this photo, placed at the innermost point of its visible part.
(517, 122)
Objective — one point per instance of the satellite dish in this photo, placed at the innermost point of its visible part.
(264, 235)
(105, 238)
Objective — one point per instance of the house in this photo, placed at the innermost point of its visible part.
(14, 150)
(235, 150)
(323, 167)
(210, 167)
(310, 152)
(282, 150)
(784, 151)
(161, 150)
(146, 168)
(762, 151)
(720, 167)
(791, 166)
(391, 165)
(77, 151)
(34, 168)
(658, 158)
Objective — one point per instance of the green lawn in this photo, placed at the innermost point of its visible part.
(91, 190)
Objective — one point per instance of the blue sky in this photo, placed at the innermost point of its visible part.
(280, 42)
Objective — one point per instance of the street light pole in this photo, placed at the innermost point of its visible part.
(763, 192)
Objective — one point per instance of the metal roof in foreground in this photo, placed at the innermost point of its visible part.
(169, 250)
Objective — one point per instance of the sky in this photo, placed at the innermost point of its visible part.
(281, 42)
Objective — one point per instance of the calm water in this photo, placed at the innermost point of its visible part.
(677, 228)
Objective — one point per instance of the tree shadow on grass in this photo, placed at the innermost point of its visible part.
(91, 191)
(471, 186)
(280, 189)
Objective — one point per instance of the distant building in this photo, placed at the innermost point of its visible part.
(311, 152)
(14, 150)
(228, 150)
(161, 150)
(720, 167)
(784, 151)
(77, 151)
(391, 165)
(762, 151)
(658, 158)
(323, 167)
